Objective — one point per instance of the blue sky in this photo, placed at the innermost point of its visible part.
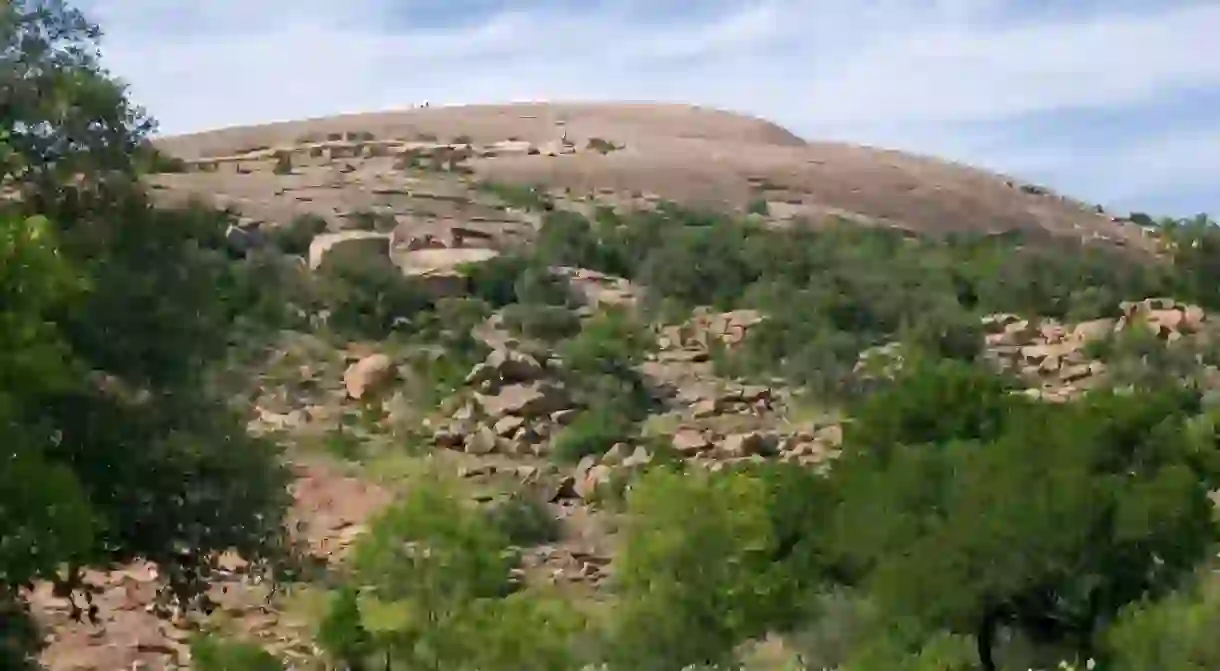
(1114, 101)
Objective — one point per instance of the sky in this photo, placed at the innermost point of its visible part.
(1112, 101)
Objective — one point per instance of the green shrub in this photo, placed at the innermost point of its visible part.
(1176, 632)
(671, 614)
(1074, 485)
(209, 653)
(341, 633)
(549, 323)
(525, 519)
(591, 432)
(367, 220)
(369, 301)
(295, 236)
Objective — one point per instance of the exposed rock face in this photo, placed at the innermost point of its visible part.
(677, 153)
(529, 400)
(441, 270)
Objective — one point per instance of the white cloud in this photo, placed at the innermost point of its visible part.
(892, 72)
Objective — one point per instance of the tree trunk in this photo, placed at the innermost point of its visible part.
(985, 638)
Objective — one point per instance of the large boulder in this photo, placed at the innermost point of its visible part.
(536, 399)
(441, 272)
(369, 375)
(504, 366)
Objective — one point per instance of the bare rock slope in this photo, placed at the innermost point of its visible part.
(606, 152)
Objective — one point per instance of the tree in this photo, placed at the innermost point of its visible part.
(677, 608)
(66, 117)
(434, 577)
(425, 562)
(1177, 632)
(112, 324)
(1045, 518)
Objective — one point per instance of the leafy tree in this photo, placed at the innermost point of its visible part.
(111, 324)
(63, 115)
(934, 402)
(1049, 519)
(523, 631)
(1177, 632)
(342, 634)
(675, 607)
(426, 561)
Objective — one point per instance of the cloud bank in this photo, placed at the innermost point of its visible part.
(1116, 102)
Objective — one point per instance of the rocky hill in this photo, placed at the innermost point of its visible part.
(476, 331)
(423, 165)
(478, 389)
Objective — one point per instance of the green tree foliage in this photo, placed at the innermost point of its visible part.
(601, 361)
(1045, 518)
(341, 634)
(832, 292)
(436, 574)
(111, 322)
(675, 606)
(1177, 632)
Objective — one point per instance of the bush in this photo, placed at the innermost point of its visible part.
(1177, 632)
(592, 432)
(341, 634)
(525, 519)
(295, 236)
(600, 145)
(675, 606)
(209, 653)
(1069, 491)
(369, 301)
(367, 220)
(528, 198)
(548, 323)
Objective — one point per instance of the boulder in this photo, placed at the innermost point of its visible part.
(441, 272)
(505, 366)
(483, 441)
(749, 444)
(535, 399)
(369, 375)
(690, 442)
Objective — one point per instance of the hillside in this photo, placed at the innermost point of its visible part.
(354, 394)
(615, 153)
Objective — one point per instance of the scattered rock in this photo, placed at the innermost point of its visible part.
(536, 399)
(689, 442)
(369, 375)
